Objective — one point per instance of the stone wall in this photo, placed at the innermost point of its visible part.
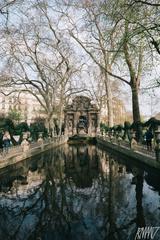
(135, 155)
(32, 151)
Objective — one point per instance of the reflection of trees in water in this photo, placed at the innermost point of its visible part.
(14, 214)
(51, 203)
(111, 202)
(47, 203)
(153, 180)
(140, 221)
(114, 171)
(113, 229)
(21, 205)
(79, 197)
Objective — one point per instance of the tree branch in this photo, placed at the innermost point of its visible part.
(96, 61)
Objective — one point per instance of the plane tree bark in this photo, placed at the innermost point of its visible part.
(135, 72)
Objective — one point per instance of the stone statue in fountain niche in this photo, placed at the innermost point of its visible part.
(25, 145)
(82, 125)
(70, 124)
(93, 123)
(40, 139)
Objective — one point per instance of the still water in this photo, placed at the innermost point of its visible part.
(78, 193)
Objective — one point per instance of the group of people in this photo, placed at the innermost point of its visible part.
(5, 142)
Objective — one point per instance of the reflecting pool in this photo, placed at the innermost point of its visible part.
(78, 192)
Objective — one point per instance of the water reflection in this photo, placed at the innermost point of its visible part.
(77, 192)
(81, 165)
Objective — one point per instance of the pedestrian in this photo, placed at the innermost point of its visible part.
(6, 141)
(1, 143)
(148, 137)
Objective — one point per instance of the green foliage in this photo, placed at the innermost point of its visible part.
(127, 125)
(36, 128)
(6, 124)
(14, 115)
(103, 128)
(152, 123)
(119, 128)
(21, 127)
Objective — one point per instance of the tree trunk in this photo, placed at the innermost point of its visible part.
(111, 201)
(109, 100)
(135, 105)
(110, 107)
(136, 113)
(60, 118)
(49, 125)
(61, 105)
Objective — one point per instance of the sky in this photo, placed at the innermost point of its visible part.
(149, 102)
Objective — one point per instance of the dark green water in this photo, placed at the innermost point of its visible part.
(78, 193)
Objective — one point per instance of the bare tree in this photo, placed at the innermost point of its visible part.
(146, 21)
(41, 61)
(5, 4)
(101, 50)
(111, 42)
(154, 4)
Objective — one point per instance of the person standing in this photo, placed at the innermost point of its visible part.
(149, 137)
(1, 143)
(6, 141)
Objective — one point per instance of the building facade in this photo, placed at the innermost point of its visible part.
(119, 112)
(24, 103)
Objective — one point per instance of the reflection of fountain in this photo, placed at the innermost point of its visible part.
(82, 164)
